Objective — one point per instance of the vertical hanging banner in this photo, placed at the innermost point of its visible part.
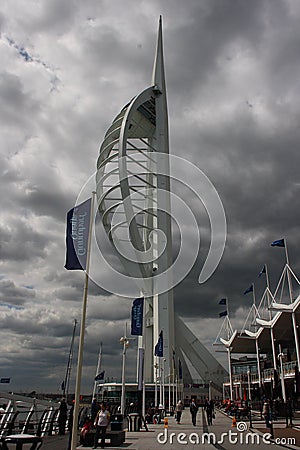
(137, 317)
(78, 224)
(159, 348)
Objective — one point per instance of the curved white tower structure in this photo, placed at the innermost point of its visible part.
(133, 193)
(134, 201)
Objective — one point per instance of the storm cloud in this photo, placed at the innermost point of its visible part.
(232, 70)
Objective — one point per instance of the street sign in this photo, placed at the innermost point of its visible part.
(5, 380)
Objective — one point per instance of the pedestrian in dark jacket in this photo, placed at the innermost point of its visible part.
(209, 409)
(70, 426)
(193, 410)
(62, 417)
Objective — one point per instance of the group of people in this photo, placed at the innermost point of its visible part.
(99, 419)
(235, 408)
(209, 408)
(154, 415)
(269, 412)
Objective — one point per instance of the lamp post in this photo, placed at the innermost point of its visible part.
(230, 372)
(249, 384)
(280, 357)
(169, 376)
(124, 340)
(163, 382)
(156, 366)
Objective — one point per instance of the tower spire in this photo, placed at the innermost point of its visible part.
(158, 76)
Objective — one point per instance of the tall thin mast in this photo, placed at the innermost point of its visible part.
(69, 365)
(98, 368)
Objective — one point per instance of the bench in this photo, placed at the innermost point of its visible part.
(116, 438)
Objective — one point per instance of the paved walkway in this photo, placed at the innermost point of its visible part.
(221, 435)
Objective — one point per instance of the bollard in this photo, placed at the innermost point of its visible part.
(166, 422)
(271, 429)
(233, 422)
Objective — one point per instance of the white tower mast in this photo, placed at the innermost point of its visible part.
(163, 308)
(133, 193)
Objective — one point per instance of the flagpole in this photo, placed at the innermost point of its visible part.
(98, 368)
(144, 350)
(271, 328)
(253, 294)
(82, 331)
(268, 289)
(288, 270)
(267, 277)
(173, 388)
(169, 391)
(69, 365)
(258, 362)
(163, 381)
(286, 252)
(155, 392)
(160, 381)
(230, 373)
(124, 341)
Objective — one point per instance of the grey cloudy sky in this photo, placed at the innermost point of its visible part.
(67, 68)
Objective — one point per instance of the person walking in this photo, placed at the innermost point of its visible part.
(289, 412)
(62, 417)
(266, 412)
(94, 409)
(179, 408)
(101, 423)
(193, 410)
(70, 425)
(209, 409)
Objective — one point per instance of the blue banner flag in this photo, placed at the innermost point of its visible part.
(250, 289)
(159, 348)
(279, 243)
(222, 301)
(174, 362)
(137, 317)
(263, 270)
(180, 370)
(78, 225)
(223, 314)
(100, 376)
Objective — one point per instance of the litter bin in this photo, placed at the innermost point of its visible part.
(116, 422)
(134, 422)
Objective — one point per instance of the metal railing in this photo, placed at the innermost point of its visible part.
(25, 415)
(289, 369)
(267, 375)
